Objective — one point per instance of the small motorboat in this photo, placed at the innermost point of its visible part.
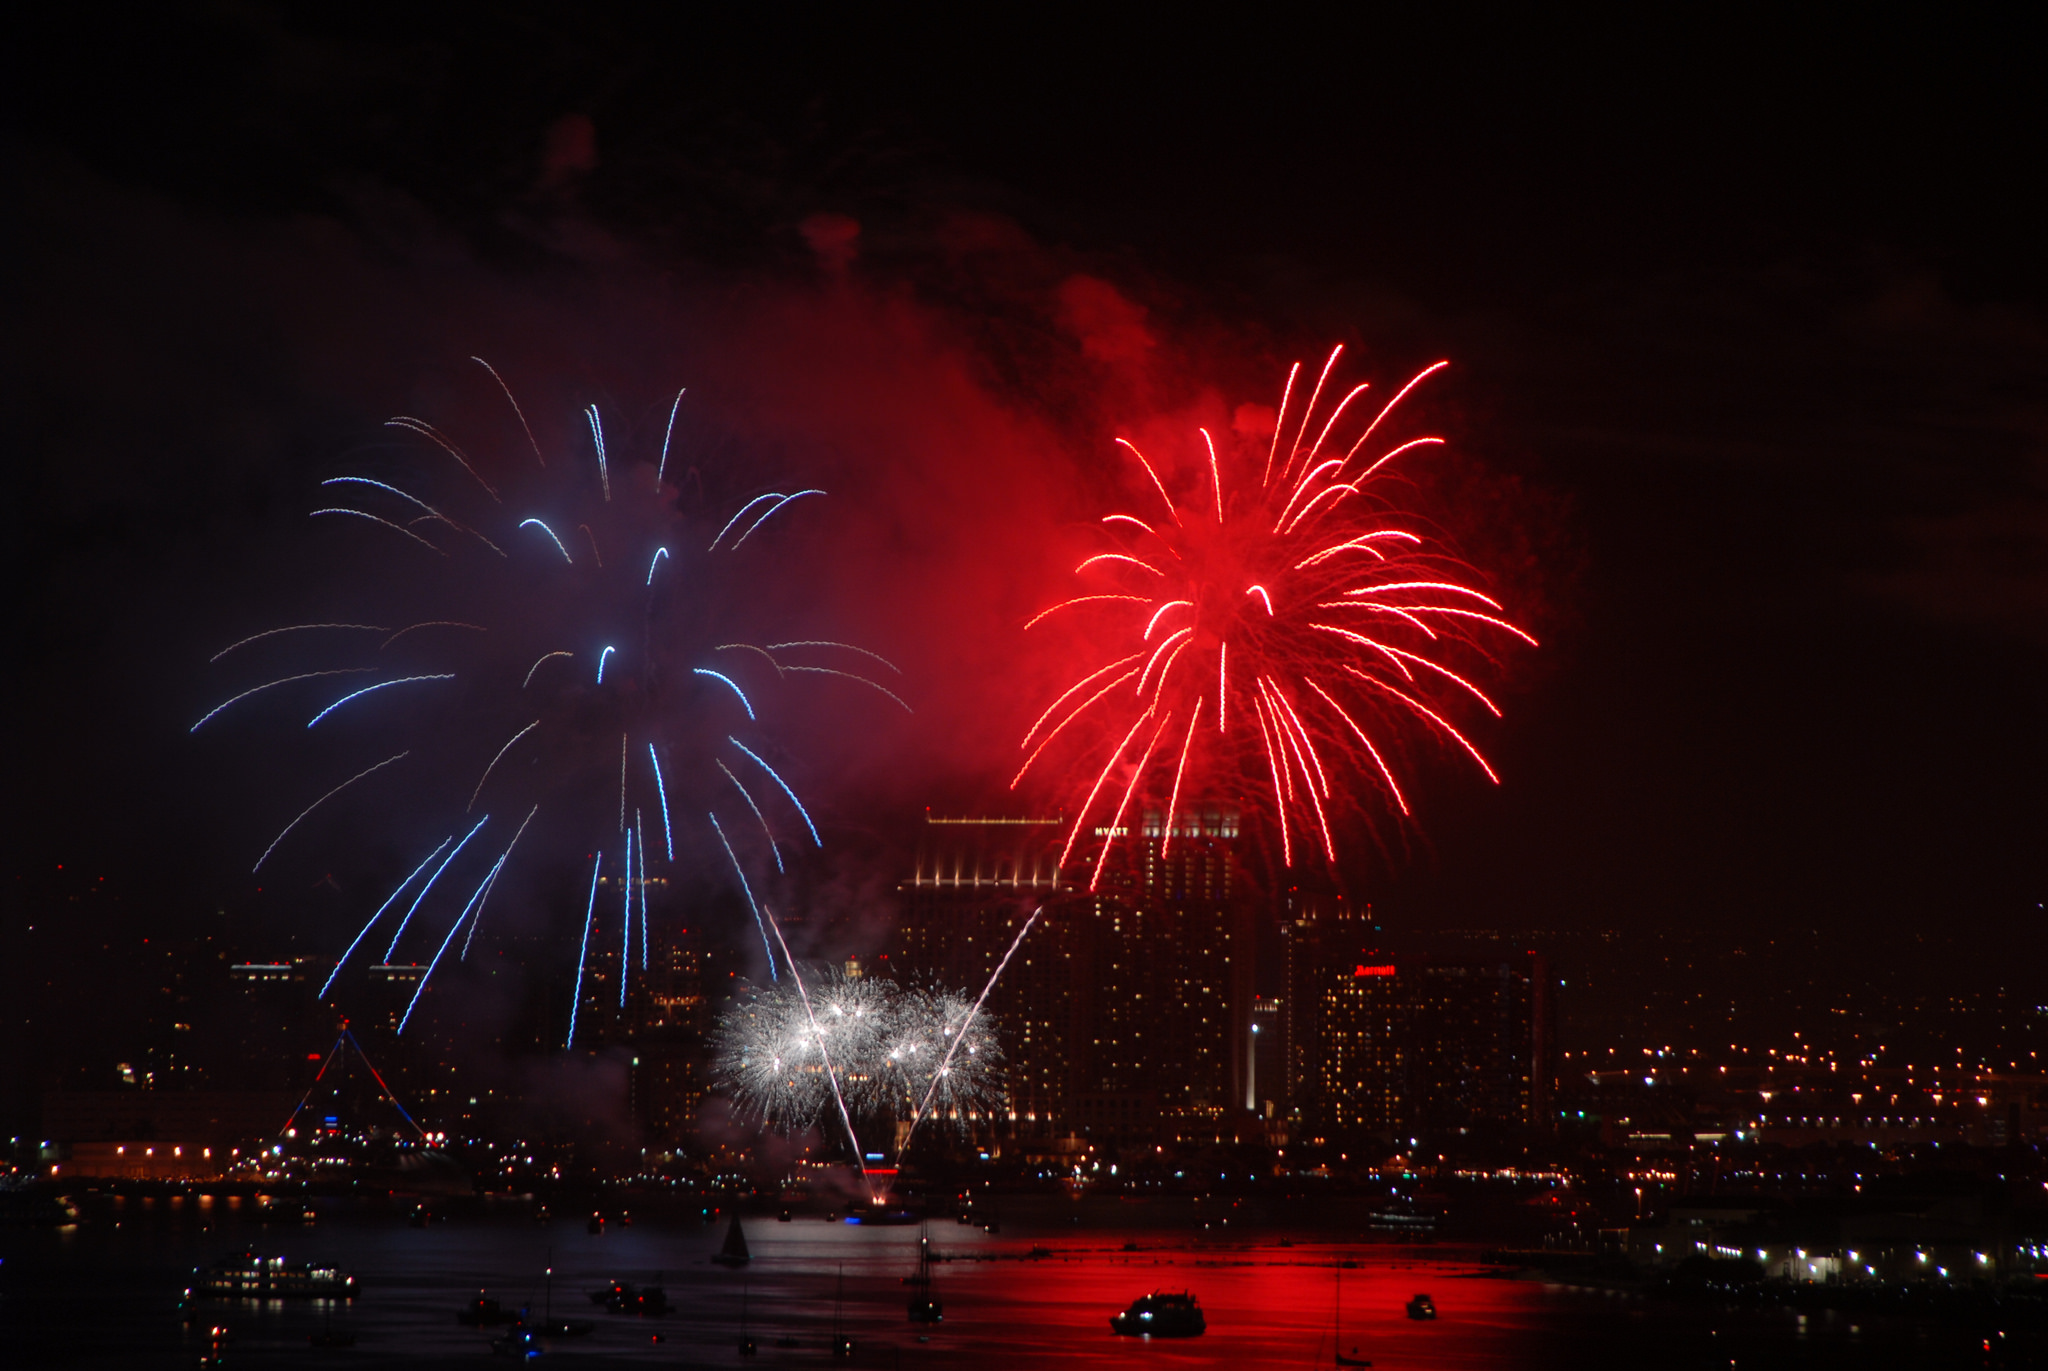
(924, 1300)
(646, 1301)
(522, 1342)
(615, 1291)
(1422, 1307)
(1161, 1315)
(484, 1312)
(561, 1328)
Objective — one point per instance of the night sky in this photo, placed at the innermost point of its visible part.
(1749, 402)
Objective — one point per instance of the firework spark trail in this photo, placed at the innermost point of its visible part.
(640, 827)
(492, 881)
(389, 901)
(536, 665)
(291, 628)
(321, 801)
(961, 1037)
(560, 547)
(770, 512)
(748, 890)
(440, 440)
(1346, 627)
(785, 788)
(774, 847)
(668, 833)
(417, 899)
(626, 925)
(661, 469)
(823, 1055)
(604, 471)
(482, 887)
(732, 684)
(845, 647)
(514, 402)
(854, 676)
(494, 762)
(286, 680)
(358, 694)
(430, 623)
(583, 956)
(396, 528)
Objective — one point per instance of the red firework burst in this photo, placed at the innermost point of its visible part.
(1279, 632)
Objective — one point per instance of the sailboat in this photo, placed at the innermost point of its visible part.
(842, 1343)
(549, 1326)
(734, 1253)
(924, 1302)
(1337, 1328)
(746, 1339)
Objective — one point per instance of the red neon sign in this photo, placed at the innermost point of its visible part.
(1374, 971)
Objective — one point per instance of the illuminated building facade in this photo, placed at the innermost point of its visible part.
(975, 881)
(1172, 971)
(1126, 1010)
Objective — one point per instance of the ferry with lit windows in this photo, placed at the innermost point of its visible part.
(248, 1276)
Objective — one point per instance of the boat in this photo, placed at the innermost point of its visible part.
(278, 1210)
(483, 1312)
(248, 1276)
(734, 1252)
(842, 1343)
(1161, 1314)
(1337, 1328)
(1422, 1307)
(746, 1339)
(547, 1325)
(521, 1342)
(622, 1298)
(332, 1337)
(924, 1301)
(561, 1328)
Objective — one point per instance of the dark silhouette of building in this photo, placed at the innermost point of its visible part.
(1387, 1047)
(1479, 1043)
(666, 1023)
